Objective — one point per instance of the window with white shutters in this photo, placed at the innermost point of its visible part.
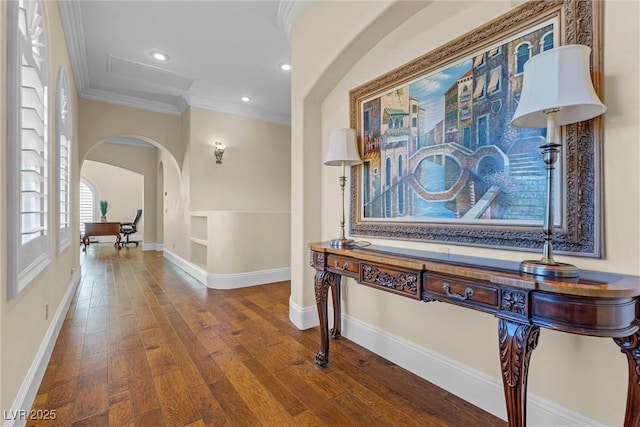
(63, 134)
(28, 143)
(88, 203)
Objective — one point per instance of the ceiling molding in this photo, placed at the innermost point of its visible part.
(182, 104)
(131, 101)
(148, 73)
(71, 18)
(208, 104)
(288, 11)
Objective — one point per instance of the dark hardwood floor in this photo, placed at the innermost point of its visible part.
(144, 344)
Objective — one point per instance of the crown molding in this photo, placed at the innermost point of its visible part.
(182, 104)
(130, 101)
(208, 104)
(71, 18)
(288, 11)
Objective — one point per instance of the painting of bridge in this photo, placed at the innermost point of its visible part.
(442, 147)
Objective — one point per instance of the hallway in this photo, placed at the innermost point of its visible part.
(145, 344)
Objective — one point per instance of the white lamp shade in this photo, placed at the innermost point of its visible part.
(342, 148)
(557, 79)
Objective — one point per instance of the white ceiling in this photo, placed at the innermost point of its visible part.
(218, 51)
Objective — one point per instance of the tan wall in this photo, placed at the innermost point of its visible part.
(102, 121)
(255, 170)
(176, 208)
(585, 374)
(240, 242)
(160, 202)
(142, 161)
(176, 194)
(122, 188)
(22, 319)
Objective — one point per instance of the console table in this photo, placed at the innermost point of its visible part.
(596, 304)
(101, 229)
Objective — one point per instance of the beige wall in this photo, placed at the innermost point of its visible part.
(240, 242)
(585, 374)
(143, 161)
(101, 121)
(253, 177)
(255, 170)
(176, 207)
(22, 319)
(122, 188)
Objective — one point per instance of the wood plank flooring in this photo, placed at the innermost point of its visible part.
(144, 344)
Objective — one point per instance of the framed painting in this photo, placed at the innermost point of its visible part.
(441, 161)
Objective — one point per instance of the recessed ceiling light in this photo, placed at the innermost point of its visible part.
(245, 99)
(285, 67)
(160, 56)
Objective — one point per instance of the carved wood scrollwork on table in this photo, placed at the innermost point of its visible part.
(405, 282)
(513, 301)
(630, 346)
(517, 342)
(521, 306)
(322, 282)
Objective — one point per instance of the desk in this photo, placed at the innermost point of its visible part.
(596, 304)
(101, 229)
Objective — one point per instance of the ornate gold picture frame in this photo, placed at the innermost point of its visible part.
(442, 162)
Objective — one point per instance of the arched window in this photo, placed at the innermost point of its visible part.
(546, 42)
(63, 146)
(466, 93)
(88, 203)
(523, 53)
(28, 154)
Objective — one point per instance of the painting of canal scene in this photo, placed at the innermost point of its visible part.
(442, 147)
(439, 151)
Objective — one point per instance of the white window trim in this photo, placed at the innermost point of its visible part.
(63, 128)
(36, 253)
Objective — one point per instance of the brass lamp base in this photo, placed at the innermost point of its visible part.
(342, 243)
(558, 270)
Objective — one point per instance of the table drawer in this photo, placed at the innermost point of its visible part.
(459, 291)
(403, 282)
(345, 266)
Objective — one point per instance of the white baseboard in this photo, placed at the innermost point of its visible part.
(475, 387)
(29, 388)
(229, 281)
(303, 317)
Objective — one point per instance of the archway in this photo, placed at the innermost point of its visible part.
(141, 156)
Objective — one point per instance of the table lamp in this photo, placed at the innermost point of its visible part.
(557, 90)
(343, 151)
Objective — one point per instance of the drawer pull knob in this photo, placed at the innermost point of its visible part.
(344, 267)
(447, 289)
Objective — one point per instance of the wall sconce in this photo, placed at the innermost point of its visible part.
(218, 150)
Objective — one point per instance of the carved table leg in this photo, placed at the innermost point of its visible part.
(322, 282)
(337, 309)
(517, 341)
(631, 347)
